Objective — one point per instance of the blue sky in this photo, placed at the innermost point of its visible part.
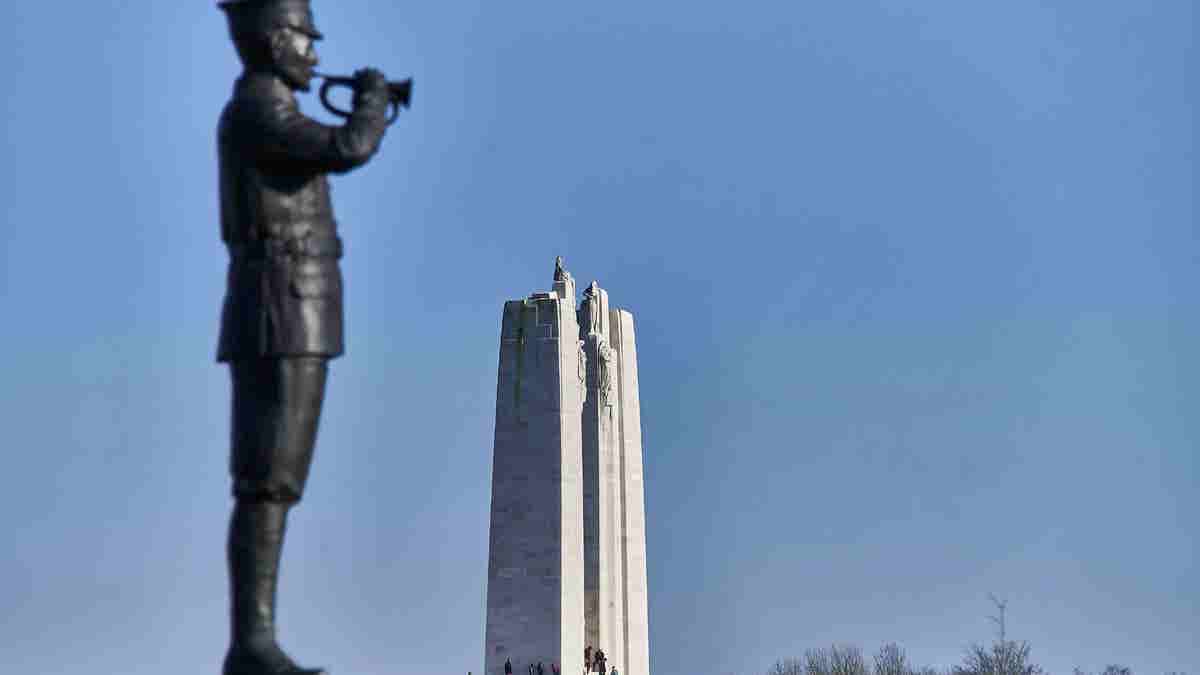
(915, 296)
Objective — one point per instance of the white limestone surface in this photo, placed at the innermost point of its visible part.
(535, 563)
(567, 561)
(603, 519)
(637, 621)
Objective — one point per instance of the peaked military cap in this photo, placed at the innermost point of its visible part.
(268, 14)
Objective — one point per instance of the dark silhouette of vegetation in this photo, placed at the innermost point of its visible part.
(849, 660)
(1002, 657)
(1108, 670)
(787, 667)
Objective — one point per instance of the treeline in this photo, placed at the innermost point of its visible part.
(1003, 657)
(849, 660)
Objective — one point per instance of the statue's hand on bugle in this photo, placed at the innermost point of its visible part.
(369, 81)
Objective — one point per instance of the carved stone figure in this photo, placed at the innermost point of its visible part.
(591, 298)
(582, 363)
(282, 315)
(594, 310)
(606, 366)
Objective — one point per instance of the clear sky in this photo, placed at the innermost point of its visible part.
(915, 286)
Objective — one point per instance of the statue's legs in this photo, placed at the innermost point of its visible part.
(276, 410)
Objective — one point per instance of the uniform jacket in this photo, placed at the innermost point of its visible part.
(284, 286)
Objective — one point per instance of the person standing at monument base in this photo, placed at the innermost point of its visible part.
(282, 316)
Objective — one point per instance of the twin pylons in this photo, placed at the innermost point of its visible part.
(567, 562)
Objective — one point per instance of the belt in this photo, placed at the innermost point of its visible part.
(311, 247)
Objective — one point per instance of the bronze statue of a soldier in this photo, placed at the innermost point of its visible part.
(282, 317)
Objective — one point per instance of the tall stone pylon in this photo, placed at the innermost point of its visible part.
(567, 563)
(535, 560)
(614, 516)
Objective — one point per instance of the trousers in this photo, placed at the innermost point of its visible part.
(276, 412)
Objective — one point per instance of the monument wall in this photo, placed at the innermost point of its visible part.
(602, 483)
(633, 498)
(567, 564)
(535, 563)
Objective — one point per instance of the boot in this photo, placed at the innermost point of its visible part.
(255, 543)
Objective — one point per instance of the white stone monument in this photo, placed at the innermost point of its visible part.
(567, 562)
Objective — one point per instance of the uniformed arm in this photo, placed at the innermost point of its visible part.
(284, 138)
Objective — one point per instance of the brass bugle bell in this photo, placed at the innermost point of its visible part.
(399, 94)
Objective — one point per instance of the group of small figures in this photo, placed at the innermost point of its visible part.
(592, 663)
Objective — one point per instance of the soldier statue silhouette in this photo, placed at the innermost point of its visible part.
(282, 315)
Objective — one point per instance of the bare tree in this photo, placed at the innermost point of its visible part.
(816, 662)
(835, 660)
(1110, 669)
(849, 660)
(787, 667)
(1004, 658)
(890, 660)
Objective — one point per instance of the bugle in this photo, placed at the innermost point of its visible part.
(399, 94)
